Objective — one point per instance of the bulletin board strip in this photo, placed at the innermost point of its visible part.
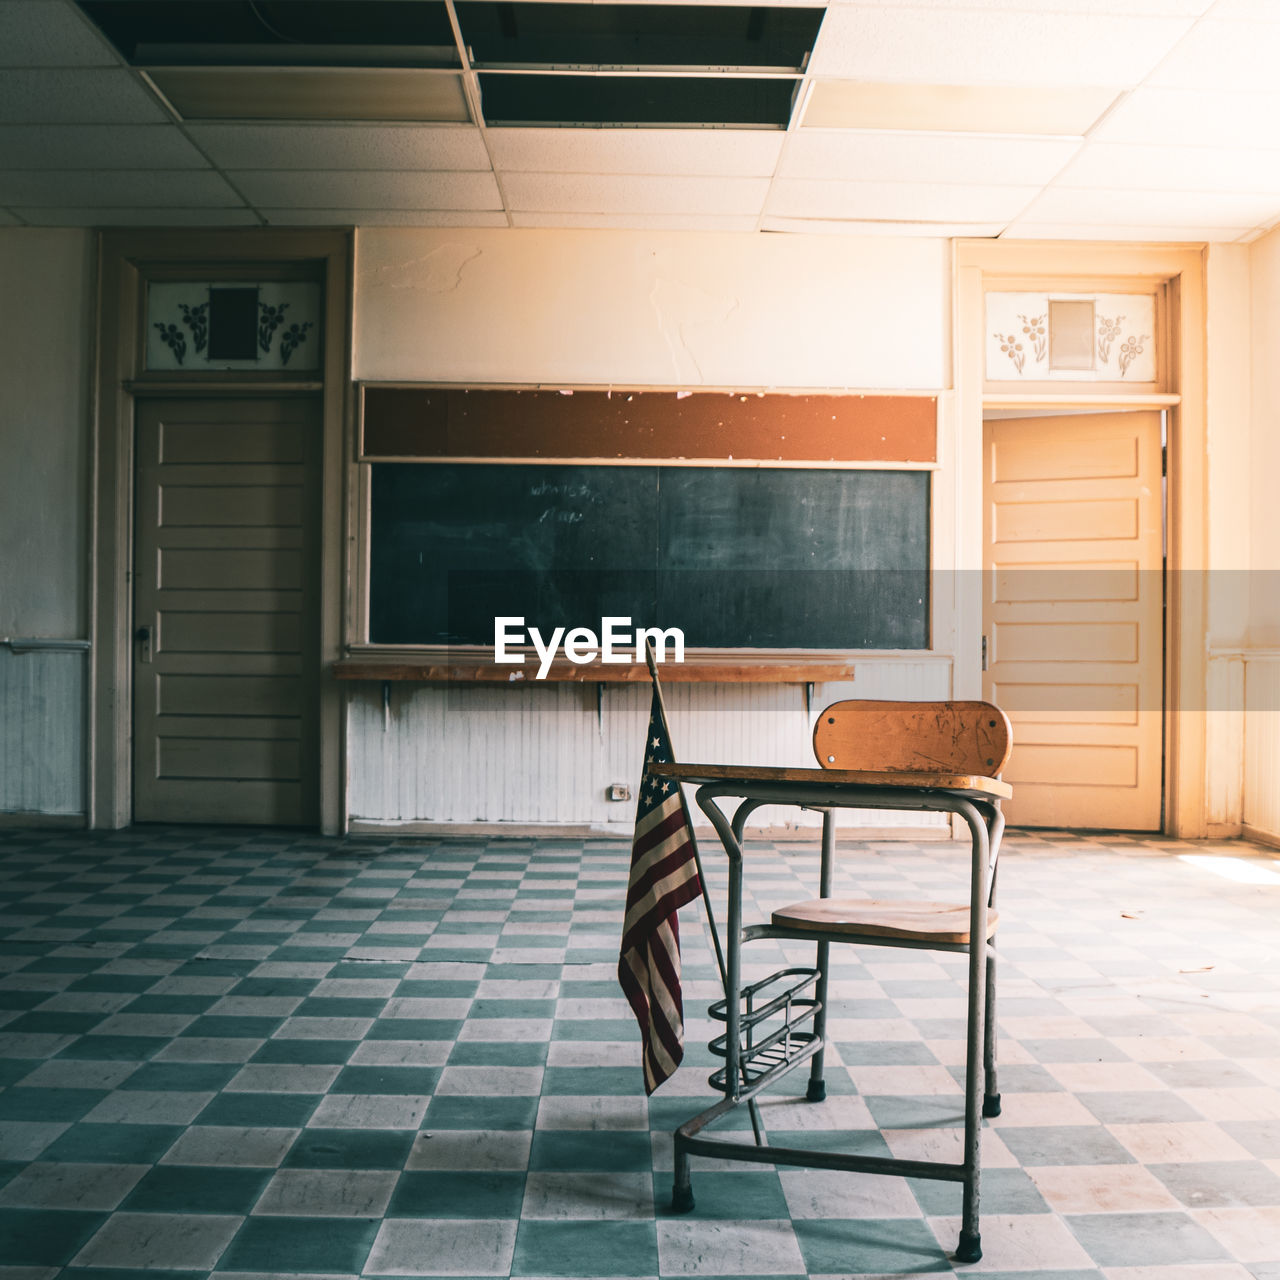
(447, 422)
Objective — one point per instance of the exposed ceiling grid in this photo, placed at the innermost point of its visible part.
(471, 88)
(1187, 150)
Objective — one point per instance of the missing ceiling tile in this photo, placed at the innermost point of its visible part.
(634, 101)
(500, 33)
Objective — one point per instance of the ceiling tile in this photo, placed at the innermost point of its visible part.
(1223, 55)
(1169, 208)
(1194, 118)
(1083, 8)
(1247, 11)
(77, 97)
(97, 146)
(118, 188)
(390, 147)
(693, 152)
(93, 216)
(381, 218)
(897, 201)
(993, 110)
(599, 193)
(852, 226)
(638, 221)
(49, 33)
(971, 46)
(309, 93)
(1204, 169)
(1191, 233)
(927, 157)
(371, 189)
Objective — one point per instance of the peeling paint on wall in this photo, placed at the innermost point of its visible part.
(439, 271)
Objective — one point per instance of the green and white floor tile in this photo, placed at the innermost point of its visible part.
(253, 1054)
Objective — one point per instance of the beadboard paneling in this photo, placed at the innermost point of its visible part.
(1261, 809)
(546, 754)
(42, 732)
(1224, 743)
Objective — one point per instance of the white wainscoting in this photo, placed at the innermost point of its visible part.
(1224, 743)
(545, 755)
(1260, 810)
(42, 732)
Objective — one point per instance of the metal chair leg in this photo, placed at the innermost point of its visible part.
(817, 1090)
(991, 1091)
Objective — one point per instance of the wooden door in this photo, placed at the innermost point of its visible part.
(226, 610)
(1073, 615)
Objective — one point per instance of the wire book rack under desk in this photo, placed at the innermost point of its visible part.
(784, 1043)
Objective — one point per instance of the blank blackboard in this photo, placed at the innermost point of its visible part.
(736, 557)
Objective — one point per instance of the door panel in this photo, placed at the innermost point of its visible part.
(226, 583)
(1073, 614)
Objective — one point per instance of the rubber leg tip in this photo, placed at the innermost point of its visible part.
(991, 1105)
(817, 1091)
(681, 1199)
(970, 1247)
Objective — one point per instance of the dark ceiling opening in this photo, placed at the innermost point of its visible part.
(233, 32)
(596, 65)
(665, 101)
(634, 35)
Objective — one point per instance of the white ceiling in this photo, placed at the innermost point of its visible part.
(1189, 150)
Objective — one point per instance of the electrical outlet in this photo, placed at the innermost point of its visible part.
(618, 791)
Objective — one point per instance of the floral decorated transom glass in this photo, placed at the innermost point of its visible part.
(1052, 337)
(207, 326)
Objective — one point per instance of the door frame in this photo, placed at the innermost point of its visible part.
(126, 261)
(1179, 270)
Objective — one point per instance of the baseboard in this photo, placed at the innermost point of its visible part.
(1270, 838)
(10, 819)
(622, 831)
(1222, 830)
(512, 830)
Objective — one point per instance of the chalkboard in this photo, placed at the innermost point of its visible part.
(787, 558)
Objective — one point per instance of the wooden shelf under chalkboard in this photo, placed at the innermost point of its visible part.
(479, 669)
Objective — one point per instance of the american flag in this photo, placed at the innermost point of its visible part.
(664, 876)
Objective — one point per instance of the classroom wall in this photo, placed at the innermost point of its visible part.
(623, 309)
(590, 307)
(628, 308)
(44, 510)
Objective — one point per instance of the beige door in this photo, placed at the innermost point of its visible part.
(1073, 609)
(225, 610)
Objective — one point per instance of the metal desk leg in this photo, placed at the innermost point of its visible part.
(817, 1090)
(970, 1247)
(731, 838)
(985, 827)
(991, 1089)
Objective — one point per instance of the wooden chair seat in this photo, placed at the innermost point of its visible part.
(925, 922)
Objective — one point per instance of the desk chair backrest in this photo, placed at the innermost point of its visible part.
(913, 737)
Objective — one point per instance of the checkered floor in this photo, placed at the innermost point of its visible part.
(245, 1053)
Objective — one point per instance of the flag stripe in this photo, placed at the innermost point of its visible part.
(664, 896)
(663, 878)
